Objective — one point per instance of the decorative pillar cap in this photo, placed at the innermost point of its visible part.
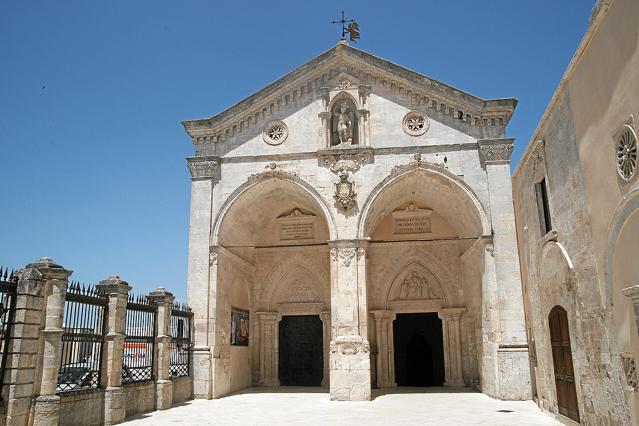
(161, 296)
(114, 285)
(48, 268)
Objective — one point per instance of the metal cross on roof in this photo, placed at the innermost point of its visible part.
(352, 29)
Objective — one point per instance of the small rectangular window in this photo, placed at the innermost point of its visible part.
(543, 209)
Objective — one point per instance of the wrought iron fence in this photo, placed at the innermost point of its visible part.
(179, 356)
(84, 323)
(139, 345)
(8, 284)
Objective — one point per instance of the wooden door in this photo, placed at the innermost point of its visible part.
(562, 361)
(300, 350)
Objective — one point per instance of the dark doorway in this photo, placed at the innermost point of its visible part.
(419, 350)
(562, 361)
(300, 351)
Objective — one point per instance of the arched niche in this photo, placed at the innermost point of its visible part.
(344, 122)
(256, 205)
(428, 187)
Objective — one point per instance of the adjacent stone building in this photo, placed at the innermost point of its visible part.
(352, 227)
(576, 197)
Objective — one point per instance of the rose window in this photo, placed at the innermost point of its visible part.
(627, 153)
(275, 132)
(415, 123)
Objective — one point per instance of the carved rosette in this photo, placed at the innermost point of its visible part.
(203, 167)
(497, 150)
(350, 161)
(415, 123)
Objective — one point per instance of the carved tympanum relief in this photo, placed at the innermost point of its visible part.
(415, 123)
(416, 286)
(344, 123)
(275, 132)
(626, 147)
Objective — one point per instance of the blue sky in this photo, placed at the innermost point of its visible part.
(92, 94)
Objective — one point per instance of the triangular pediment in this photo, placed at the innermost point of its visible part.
(349, 67)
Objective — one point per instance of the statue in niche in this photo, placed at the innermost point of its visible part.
(416, 287)
(344, 124)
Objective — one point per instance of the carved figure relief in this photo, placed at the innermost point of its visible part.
(415, 286)
(344, 123)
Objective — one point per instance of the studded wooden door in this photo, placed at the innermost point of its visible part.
(300, 350)
(562, 361)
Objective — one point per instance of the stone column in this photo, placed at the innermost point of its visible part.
(164, 387)
(269, 335)
(385, 349)
(512, 372)
(112, 352)
(202, 271)
(350, 378)
(55, 279)
(453, 363)
(325, 316)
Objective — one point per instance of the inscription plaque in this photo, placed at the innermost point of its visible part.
(411, 220)
(297, 225)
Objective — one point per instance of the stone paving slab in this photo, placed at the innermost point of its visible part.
(311, 406)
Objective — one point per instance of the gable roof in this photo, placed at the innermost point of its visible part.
(308, 80)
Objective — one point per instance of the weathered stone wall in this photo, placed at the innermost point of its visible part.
(139, 397)
(574, 149)
(82, 408)
(182, 389)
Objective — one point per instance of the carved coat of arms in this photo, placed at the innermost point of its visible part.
(344, 192)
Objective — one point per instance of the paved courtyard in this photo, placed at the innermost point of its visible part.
(309, 406)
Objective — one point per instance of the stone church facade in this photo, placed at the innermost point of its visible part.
(352, 227)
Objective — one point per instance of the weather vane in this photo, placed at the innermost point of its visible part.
(352, 29)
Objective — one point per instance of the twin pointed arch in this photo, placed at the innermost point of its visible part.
(480, 226)
(277, 175)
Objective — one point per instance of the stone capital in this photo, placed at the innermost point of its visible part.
(451, 313)
(161, 296)
(203, 167)
(495, 151)
(113, 286)
(382, 314)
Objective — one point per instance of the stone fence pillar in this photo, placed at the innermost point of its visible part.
(56, 279)
(163, 300)
(114, 404)
(37, 334)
